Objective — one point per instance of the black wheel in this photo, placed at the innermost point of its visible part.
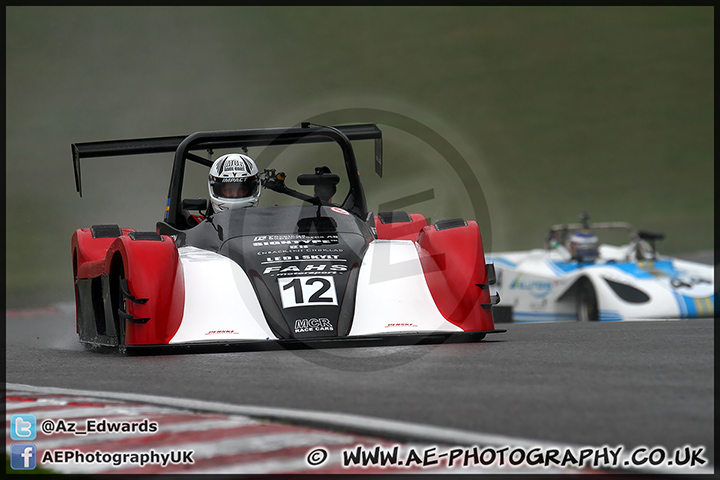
(118, 305)
(502, 314)
(587, 306)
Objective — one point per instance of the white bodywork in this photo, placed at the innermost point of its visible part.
(392, 297)
(534, 282)
(215, 286)
(392, 294)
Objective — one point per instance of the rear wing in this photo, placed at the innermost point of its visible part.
(185, 144)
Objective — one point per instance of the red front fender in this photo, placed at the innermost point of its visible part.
(154, 273)
(453, 261)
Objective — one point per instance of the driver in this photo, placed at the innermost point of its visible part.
(234, 182)
(583, 246)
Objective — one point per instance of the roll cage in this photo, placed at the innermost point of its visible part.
(183, 146)
(642, 242)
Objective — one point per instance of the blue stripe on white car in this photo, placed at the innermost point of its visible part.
(694, 306)
(636, 270)
(608, 316)
(527, 317)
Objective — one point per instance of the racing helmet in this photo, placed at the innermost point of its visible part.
(234, 182)
(583, 246)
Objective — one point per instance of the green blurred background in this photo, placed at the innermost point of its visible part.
(556, 109)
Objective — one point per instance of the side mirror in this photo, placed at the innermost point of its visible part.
(651, 238)
(323, 180)
(194, 204)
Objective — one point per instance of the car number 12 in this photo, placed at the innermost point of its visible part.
(307, 291)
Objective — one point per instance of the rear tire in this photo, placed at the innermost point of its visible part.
(587, 306)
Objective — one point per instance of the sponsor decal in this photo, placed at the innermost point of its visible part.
(340, 210)
(303, 258)
(294, 239)
(393, 325)
(536, 288)
(293, 236)
(304, 248)
(689, 282)
(222, 332)
(680, 281)
(304, 269)
(233, 165)
(305, 325)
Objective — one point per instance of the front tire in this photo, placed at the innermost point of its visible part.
(587, 305)
(118, 305)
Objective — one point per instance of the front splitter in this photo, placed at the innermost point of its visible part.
(377, 340)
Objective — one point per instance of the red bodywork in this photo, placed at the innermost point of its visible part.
(453, 261)
(401, 230)
(153, 271)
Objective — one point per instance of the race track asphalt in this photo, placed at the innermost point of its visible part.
(612, 383)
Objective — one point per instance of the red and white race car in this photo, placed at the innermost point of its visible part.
(317, 273)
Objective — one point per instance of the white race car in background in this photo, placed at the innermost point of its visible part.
(628, 282)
